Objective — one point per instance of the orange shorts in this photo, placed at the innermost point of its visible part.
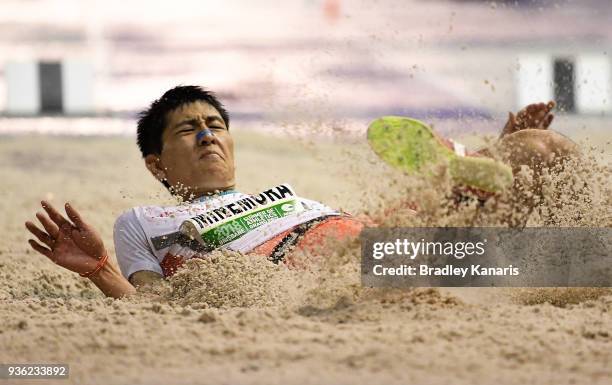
(307, 236)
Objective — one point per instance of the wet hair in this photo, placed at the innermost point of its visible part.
(153, 120)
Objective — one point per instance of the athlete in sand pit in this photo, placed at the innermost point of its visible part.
(186, 144)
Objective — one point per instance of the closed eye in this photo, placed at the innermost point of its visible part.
(187, 129)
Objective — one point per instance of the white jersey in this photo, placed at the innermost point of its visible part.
(148, 237)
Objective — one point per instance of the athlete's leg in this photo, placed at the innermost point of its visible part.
(535, 148)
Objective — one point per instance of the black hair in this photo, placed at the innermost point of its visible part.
(153, 120)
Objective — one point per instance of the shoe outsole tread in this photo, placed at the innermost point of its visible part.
(413, 147)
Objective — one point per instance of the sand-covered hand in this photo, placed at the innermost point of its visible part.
(72, 244)
(534, 116)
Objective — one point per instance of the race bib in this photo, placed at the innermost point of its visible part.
(227, 223)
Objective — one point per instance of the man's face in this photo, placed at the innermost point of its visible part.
(193, 165)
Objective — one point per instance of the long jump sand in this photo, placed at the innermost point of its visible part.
(261, 324)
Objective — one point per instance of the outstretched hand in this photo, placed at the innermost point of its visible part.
(74, 245)
(536, 116)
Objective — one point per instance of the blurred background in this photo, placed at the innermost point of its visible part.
(306, 67)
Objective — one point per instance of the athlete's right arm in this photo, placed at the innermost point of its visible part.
(134, 254)
(78, 247)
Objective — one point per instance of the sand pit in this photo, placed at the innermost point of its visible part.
(234, 319)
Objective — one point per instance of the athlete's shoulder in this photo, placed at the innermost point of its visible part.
(157, 212)
(126, 216)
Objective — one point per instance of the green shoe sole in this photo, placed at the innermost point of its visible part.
(412, 146)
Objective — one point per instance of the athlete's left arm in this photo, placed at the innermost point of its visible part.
(535, 116)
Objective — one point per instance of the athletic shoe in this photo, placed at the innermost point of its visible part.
(413, 147)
